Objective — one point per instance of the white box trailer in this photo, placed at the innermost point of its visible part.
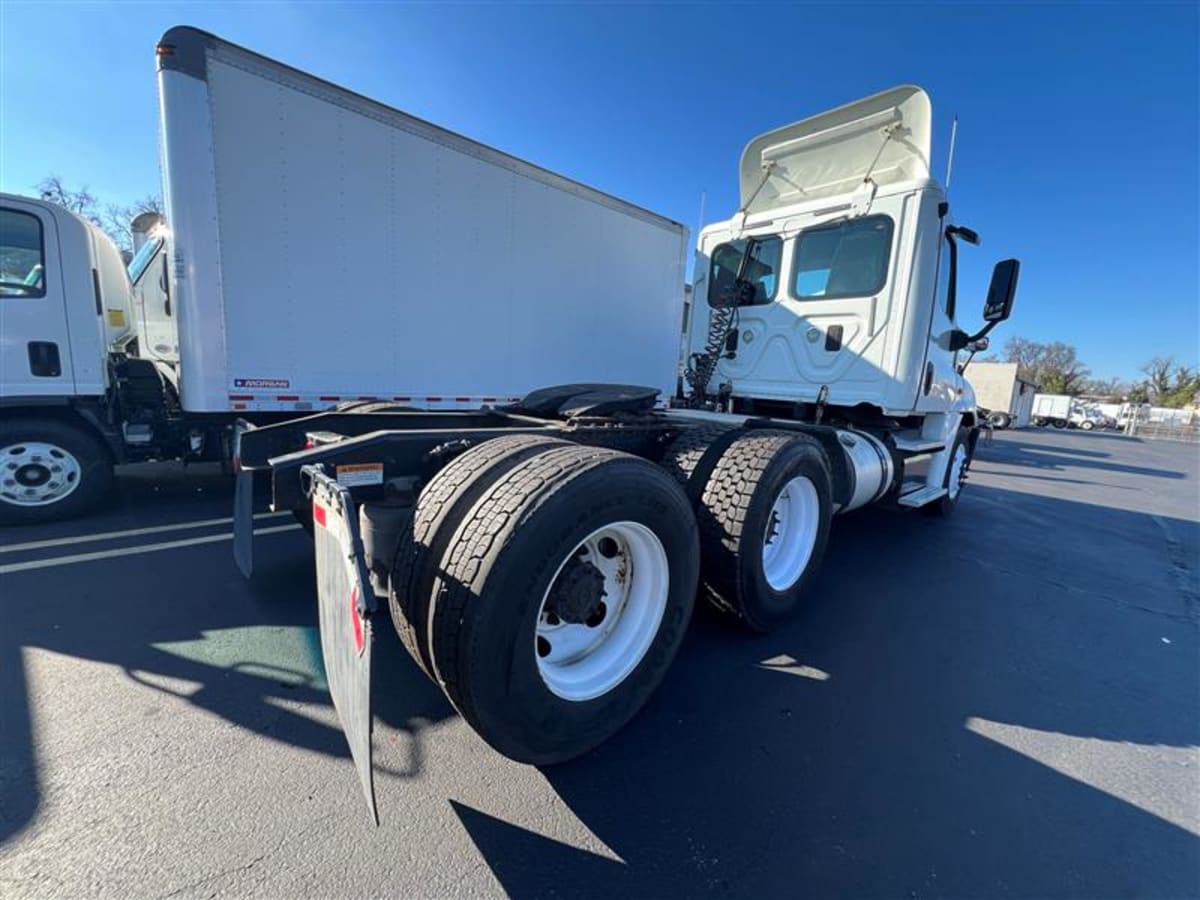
(309, 219)
(319, 249)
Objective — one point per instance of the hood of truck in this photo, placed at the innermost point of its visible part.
(885, 138)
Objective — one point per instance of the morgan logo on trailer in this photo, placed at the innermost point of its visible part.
(261, 382)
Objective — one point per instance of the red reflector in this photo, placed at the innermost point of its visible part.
(332, 398)
(309, 444)
(241, 396)
(356, 620)
(239, 406)
(433, 399)
(287, 397)
(402, 399)
(462, 399)
(319, 514)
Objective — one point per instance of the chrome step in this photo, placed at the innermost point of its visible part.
(922, 496)
(918, 445)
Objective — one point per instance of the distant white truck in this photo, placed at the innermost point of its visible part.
(1052, 409)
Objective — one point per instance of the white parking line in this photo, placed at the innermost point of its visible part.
(132, 532)
(131, 551)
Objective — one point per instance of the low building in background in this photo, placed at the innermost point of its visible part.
(999, 389)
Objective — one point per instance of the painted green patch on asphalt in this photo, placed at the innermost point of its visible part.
(287, 654)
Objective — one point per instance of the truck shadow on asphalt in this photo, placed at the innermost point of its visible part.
(1059, 457)
(243, 650)
(911, 734)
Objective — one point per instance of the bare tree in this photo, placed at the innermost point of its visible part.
(117, 219)
(82, 202)
(1113, 390)
(1054, 367)
(1158, 375)
(114, 219)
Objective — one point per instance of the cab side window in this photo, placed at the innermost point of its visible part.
(22, 255)
(762, 270)
(943, 279)
(844, 259)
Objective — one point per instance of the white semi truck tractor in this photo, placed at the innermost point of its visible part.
(540, 558)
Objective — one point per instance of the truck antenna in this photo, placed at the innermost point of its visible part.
(950, 159)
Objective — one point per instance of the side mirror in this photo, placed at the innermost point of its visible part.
(1001, 291)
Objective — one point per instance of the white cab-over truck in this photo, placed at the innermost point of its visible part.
(541, 557)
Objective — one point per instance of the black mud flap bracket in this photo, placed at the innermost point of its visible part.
(243, 505)
(345, 603)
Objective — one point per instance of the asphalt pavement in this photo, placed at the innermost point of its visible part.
(1004, 704)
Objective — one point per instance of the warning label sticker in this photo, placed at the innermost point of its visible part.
(261, 382)
(360, 474)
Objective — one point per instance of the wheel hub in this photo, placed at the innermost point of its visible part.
(37, 473)
(32, 475)
(577, 595)
(602, 611)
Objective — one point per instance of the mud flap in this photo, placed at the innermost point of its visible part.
(345, 602)
(243, 522)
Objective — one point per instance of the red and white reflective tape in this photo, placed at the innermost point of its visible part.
(309, 402)
(356, 621)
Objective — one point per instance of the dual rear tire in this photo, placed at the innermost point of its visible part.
(547, 587)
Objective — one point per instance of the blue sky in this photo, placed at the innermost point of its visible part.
(1078, 145)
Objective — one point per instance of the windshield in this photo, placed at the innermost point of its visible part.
(138, 265)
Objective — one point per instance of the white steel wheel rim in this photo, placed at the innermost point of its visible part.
(958, 467)
(582, 661)
(37, 473)
(791, 533)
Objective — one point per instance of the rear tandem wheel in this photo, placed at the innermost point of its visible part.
(562, 598)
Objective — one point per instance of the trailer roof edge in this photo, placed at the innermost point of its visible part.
(185, 49)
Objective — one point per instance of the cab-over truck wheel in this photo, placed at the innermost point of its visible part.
(50, 469)
(962, 451)
(564, 595)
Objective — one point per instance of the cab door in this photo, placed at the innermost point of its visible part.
(941, 385)
(157, 332)
(35, 352)
(824, 324)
